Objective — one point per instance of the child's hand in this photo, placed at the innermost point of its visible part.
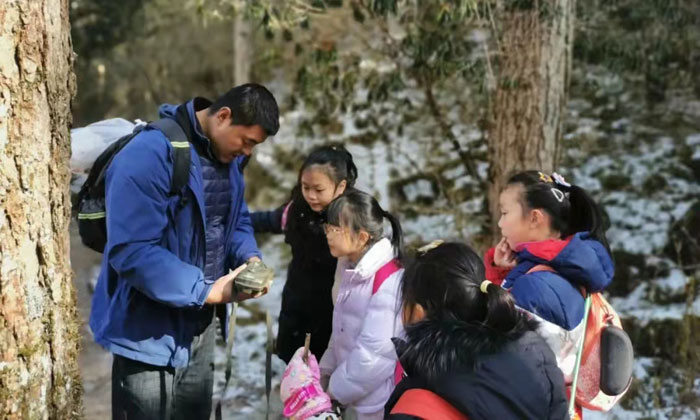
(503, 255)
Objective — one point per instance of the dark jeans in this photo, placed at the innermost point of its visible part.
(143, 391)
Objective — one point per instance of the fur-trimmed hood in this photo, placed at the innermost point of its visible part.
(482, 373)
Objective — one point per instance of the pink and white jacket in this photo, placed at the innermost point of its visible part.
(360, 359)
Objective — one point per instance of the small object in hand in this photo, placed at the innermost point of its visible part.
(307, 344)
(255, 278)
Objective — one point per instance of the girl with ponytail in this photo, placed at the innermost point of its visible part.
(468, 351)
(359, 369)
(553, 251)
(307, 307)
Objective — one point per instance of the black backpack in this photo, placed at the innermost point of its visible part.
(92, 224)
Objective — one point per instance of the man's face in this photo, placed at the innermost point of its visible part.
(229, 141)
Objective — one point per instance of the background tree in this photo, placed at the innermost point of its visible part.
(38, 324)
(534, 44)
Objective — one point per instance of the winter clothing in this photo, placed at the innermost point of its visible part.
(164, 252)
(360, 359)
(143, 391)
(481, 373)
(306, 299)
(555, 298)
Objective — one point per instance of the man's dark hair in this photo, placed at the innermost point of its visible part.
(250, 104)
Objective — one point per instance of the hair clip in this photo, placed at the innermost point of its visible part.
(559, 180)
(485, 286)
(425, 248)
(558, 194)
(545, 178)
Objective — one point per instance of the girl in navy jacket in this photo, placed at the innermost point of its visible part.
(469, 353)
(552, 253)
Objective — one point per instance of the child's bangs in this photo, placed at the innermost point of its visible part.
(340, 214)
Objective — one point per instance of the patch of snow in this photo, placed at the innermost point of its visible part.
(675, 282)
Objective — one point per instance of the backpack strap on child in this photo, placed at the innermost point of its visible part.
(426, 405)
(285, 216)
(544, 267)
(379, 277)
(384, 273)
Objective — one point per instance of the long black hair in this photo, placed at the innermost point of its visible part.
(358, 211)
(570, 208)
(446, 281)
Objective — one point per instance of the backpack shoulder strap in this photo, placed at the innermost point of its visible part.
(383, 273)
(285, 216)
(543, 267)
(427, 405)
(540, 267)
(181, 146)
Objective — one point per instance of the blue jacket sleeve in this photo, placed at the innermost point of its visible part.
(267, 221)
(137, 192)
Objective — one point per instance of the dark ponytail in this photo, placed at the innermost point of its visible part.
(396, 233)
(358, 211)
(501, 313)
(586, 215)
(447, 282)
(570, 208)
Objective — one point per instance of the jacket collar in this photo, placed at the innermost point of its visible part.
(379, 254)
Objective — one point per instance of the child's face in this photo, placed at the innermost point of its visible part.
(342, 242)
(515, 227)
(318, 189)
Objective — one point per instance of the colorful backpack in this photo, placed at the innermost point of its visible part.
(605, 358)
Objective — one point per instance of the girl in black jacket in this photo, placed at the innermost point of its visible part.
(469, 353)
(307, 306)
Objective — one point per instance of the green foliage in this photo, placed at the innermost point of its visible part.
(164, 54)
(98, 25)
(409, 44)
(655, 38)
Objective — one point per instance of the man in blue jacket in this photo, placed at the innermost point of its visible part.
(165, 264)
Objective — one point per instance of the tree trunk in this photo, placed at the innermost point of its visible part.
(39, 332)
(241, 47)
(527, 106)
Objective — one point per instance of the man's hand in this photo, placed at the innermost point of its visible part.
(503, 255)
(222, 290)
(253, 259)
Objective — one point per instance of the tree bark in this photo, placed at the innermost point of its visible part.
(39, 333)
(241, 47)
(527, 107)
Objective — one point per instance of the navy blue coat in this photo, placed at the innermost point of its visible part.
(481, 373)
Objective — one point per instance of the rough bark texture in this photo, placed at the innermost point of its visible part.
(241, 47)
(38, 323)
(532, 83)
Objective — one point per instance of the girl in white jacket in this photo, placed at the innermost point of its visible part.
(360, 364)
